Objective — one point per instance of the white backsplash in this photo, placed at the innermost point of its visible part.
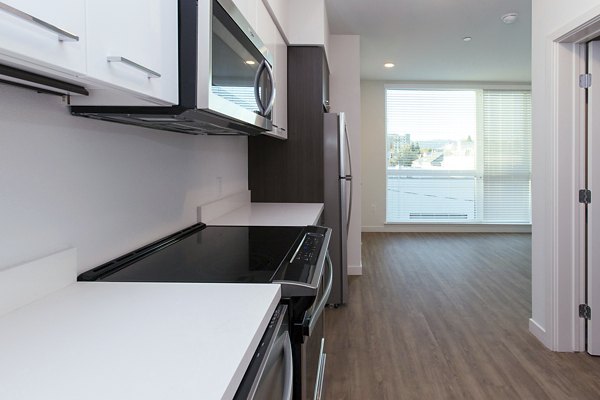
(101, 187)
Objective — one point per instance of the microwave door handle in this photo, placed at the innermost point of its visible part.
(259, 71)
(272, 80)
(289, 368)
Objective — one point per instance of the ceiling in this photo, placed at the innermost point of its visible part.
(424, 38)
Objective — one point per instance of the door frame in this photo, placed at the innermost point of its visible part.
(565, 229)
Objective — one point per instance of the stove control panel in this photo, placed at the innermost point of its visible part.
(309, 249)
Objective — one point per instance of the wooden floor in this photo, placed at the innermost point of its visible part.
(445, 316)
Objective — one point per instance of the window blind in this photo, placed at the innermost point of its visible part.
(458, 156)
(431, 155)
(506, 156)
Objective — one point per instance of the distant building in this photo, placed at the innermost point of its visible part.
(397, 142)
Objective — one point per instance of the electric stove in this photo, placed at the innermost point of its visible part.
(291, 256)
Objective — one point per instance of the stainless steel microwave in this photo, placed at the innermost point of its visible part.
(226, 83)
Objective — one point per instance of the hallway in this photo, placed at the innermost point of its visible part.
(445, 316)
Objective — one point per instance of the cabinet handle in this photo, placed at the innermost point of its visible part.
(126, 61)
(63, 35)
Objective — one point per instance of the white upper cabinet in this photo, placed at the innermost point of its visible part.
(279, 11)
(305, 22)
(44, 35)
(265, 27)
(248, 10)
(132, 46)
(280, 109)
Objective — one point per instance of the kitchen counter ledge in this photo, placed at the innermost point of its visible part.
(271, 214)
(128, 341)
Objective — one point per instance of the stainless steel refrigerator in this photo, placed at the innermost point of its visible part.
(338, 200)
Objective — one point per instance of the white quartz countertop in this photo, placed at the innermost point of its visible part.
(101, 340)
(271, 214)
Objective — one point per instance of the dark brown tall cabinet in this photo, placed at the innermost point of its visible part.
(292, 170)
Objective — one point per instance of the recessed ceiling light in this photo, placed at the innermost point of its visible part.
(467, 38)
(389, 65)
(509, 18)
(250, 62)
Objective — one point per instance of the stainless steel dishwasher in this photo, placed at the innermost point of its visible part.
(270, 373)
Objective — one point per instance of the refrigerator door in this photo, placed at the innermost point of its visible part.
(345, 167)
(342, 146)
(337, 190)
(338, 248)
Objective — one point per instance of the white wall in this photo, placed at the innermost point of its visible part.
(373, 154)
(547, 181)
(101, 187)
(345, 95)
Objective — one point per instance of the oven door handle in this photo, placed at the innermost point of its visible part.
(289, 368)
(311, 320)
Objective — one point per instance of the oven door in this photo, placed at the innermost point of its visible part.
(242, 85)
(310, 358)
(270, 374)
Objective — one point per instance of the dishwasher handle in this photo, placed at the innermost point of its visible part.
(318, 393)
(289, 368)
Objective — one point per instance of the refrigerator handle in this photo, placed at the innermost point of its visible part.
(349, 179)
(349, 152)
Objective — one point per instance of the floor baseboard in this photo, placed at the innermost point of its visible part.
(539, 332)
(450, 228)
(355, 269)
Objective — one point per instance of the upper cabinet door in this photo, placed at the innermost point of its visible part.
(132, 45)
(268, 32)
(279, 11)
(248, 10)
(49, 34)
(265, 27)
(280, 109)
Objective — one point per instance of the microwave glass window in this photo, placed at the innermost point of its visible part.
(236, 63)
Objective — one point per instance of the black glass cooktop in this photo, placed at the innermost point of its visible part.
(206, 254)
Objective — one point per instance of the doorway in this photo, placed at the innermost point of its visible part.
(559, 250)
(591, 166)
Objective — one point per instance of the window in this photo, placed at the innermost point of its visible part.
(458, 156)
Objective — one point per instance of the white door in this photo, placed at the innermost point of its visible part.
(593, 209)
